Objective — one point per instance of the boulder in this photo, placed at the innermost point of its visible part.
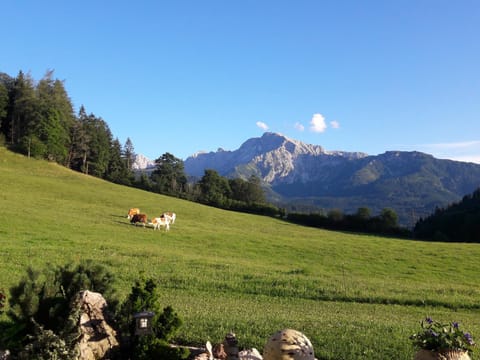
(219, 352)
(288, 344)
(250, 354)
(98, 338)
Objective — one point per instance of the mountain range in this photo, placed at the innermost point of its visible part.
(305, 177)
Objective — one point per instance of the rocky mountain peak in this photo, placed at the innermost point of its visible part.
(277, 142)
(142, 162)
(298, 172)
(272, 157)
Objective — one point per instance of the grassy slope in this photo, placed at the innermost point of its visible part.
(355, 296)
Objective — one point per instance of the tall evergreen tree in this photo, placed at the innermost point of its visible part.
(55, 118)
(215, 189)
(388, 219)
(3, 104)
(129, 153)
(99, 146)
(169, 175)
(255, 193)
(247, 191)
(78, 152)
(92, 142)
(24, 113)
(117, 170)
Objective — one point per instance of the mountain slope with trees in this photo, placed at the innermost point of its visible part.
(459, 221)
(37, 119)
(305, 178)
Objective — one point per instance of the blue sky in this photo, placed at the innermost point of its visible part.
(183, 76)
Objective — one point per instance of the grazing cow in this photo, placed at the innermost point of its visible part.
(133, 211)
(171, 216)
(161, 221)
(139, 218)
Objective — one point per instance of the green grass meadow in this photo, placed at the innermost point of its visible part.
(354, 296)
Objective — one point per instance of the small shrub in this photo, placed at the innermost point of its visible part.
(3, 298)
(165, 324)
(151, 347)
(437, 336)
(45, 344)
(40, 306)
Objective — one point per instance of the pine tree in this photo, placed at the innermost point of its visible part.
(3, 104)
(165, 324)
(129, 154)
(117, 167)
(79, 148)
(24, 113)
(169, 175)
(214, 188)
(55, 118)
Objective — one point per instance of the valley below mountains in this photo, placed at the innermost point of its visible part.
(307, 178)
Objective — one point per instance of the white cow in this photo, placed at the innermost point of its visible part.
(161, 221)
(171, 216)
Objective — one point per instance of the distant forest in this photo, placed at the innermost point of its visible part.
(37, 119)
(457, 222)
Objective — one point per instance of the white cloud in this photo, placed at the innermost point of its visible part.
(318, 124)
(455, 145)
(467, 158)
(335, 124)
(262, 125)
(299, 126)
(468, 151)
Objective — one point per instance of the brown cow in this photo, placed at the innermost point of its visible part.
(132, 212)
(139, 218)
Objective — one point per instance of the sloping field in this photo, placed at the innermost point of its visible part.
(354, 296)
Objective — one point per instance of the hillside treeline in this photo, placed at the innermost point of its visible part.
(386, 223)
(211, 189)
(37, 119)
(457, 222)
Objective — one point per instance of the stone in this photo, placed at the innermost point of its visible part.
(250, 354)
(288, 344)
(219, 352)
(441, 355)
(98, 338)
(207, 354)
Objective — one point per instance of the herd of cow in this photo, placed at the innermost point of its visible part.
(164, 220)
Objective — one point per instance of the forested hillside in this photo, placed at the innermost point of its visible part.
(303, 177)
(457, 222)
(37, 119)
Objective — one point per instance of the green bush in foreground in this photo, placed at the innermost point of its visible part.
(44, 325)
(165, 324)
(42, 320)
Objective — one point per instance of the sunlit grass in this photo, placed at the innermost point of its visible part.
(355, 296)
